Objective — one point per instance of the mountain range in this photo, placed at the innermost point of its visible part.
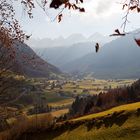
(60, 56)
(67, 41)
(118, 58)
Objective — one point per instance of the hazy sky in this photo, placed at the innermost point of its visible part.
(101, 16)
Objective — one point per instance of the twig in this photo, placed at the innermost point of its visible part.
(125, 18)
(58, 14)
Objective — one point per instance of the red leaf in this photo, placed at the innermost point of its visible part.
(138, 42)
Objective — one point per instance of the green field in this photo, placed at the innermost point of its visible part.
(77, 87)
(95, 86)
(65, 102)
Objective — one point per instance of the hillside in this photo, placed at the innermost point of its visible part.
(60, 56)
(120, 123)
(117, 59)
(28, 63)
(113, 115)
(60, 51)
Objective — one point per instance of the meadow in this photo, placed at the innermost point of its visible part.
(95, 86)
(119, 123)
(60, 98)
(70, 89)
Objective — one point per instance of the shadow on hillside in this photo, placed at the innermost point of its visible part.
(138, 112)
(53, 131)
(117, 118)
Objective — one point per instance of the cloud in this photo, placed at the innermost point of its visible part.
(104, 6)
(101, 16)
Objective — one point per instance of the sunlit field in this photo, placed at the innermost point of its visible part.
(123, 125)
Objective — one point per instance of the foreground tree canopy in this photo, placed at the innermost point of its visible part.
(10, 29)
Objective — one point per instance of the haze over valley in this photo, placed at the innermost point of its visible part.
(114, 60)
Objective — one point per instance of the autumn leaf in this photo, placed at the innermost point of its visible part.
(60, 17)
(81, 9)
(97, 47)
(81, 1)
(138, 9)
(138, 42)
(117, 33)
(133, 7)
(124, 6)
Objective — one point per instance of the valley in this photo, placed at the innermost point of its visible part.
(116, 59)
(37, 97)
(69, 70)
(45, 97)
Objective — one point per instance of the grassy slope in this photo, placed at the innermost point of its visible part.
(128, 130)
(127, 107)
(61, 103)
(54, 114)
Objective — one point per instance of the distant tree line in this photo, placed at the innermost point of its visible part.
(103, 101)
